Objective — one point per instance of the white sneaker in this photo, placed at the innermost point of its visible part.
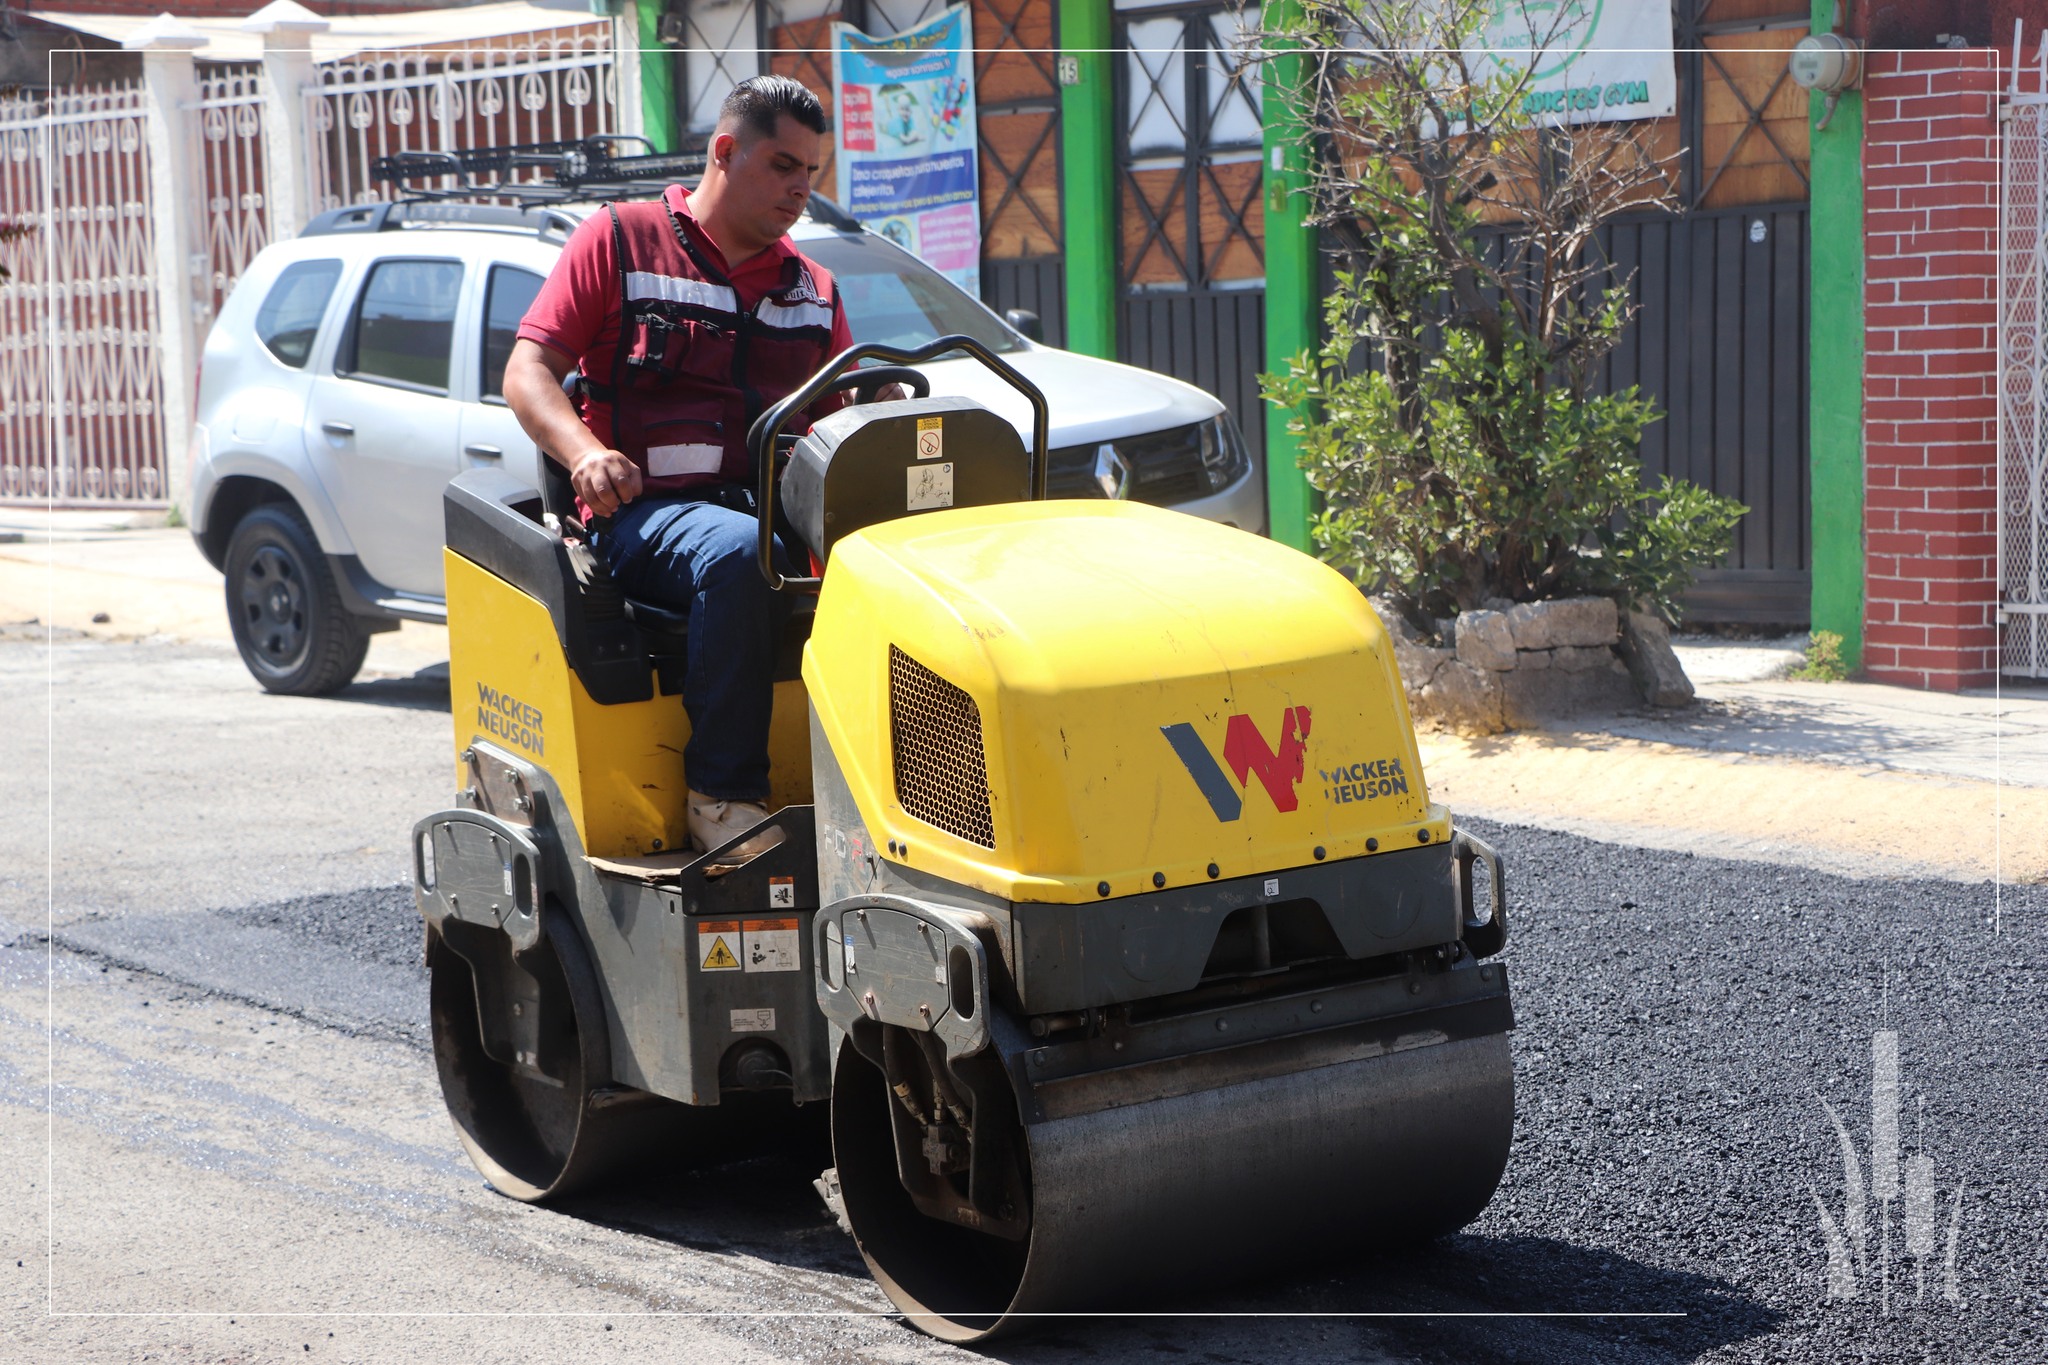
(712, 822)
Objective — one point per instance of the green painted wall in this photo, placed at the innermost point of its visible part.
(1088, 178)
(1292, 307)
(1835, 366)
(657, 78)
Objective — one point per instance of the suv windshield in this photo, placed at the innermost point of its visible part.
(898, 300)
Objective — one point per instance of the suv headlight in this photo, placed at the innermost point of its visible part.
(1224, 458)
(1159, 467)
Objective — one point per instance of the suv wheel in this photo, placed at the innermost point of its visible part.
(284, 609)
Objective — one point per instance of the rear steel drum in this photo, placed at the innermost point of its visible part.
(533, 1136)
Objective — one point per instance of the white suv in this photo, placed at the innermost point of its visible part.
(356, 369)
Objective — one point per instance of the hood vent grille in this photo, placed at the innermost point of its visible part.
(935, 740)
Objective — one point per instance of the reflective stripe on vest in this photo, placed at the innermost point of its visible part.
(645, 284)
(794, 314)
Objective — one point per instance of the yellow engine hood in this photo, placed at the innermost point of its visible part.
(1162, 700)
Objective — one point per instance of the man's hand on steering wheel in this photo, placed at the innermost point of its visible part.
(605, 480)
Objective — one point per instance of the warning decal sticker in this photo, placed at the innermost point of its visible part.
(715, 941)
(931, 438)
(753, 1021)
(782, 893)
(770, 945)
(930, 486)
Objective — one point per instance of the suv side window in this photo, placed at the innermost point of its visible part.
(405, 323)
(510, 294)
(289, 317)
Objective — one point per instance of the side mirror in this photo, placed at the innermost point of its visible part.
(1025, 321)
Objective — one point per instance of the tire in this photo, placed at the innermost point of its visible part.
(284, 609)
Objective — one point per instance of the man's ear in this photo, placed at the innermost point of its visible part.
(723, 145)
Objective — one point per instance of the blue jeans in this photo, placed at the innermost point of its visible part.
(703, 559)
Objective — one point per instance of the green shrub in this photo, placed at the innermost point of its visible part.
(1479, 479)
(1823, 659)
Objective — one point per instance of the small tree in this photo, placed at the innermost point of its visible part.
(1450, 423)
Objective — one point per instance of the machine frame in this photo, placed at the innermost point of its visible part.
(1047, 1091)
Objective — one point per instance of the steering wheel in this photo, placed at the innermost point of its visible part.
(868, 382)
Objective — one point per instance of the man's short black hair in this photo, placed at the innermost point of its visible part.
(756, 102)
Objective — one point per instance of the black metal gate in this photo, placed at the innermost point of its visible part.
(1191, 251)
(1720, 341)
(1720, 345)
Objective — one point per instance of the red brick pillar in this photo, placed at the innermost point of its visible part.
(1930, 169)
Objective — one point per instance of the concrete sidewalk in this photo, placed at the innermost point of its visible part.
(1851, 777)
(71, 569)
(1855, 778)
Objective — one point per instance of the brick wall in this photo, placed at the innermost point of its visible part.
(1930, 165)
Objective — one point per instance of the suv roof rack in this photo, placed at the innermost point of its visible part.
(388, 216)
(557, 170)
(585, 170)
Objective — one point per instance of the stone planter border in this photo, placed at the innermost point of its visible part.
(1516, 665)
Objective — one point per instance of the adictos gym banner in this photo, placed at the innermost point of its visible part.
(906, 157)
(1588, 60)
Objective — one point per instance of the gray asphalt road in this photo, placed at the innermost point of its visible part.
(243, 1119)
(175, 785)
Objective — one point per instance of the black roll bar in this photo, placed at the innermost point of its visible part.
(767, 428)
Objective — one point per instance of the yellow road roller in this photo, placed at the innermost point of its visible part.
(1111, 917)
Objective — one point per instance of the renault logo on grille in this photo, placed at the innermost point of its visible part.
(1112, 472)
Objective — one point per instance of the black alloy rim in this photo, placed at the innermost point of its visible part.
(274, 607)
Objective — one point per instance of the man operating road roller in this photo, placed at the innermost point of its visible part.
(688, 317)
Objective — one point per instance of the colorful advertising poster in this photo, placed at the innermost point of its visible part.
(907, 162)
(1588, 60)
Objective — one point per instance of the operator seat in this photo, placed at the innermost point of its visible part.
(665, 629)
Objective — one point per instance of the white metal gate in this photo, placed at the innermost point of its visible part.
(553, 87)
(80, 388)
(236, 213)
(2023, 377)
(82, 369)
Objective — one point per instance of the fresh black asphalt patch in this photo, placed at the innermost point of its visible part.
(349, 960)
(1685, 1026)
(1680, 1023)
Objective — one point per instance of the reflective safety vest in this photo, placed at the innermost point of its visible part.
(692, 371)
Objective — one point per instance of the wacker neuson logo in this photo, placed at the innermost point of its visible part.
(1278, 767)
(510, 719)
(1364, 781)
(1860, 1258)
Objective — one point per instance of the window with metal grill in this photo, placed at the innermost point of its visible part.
(935, 739)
